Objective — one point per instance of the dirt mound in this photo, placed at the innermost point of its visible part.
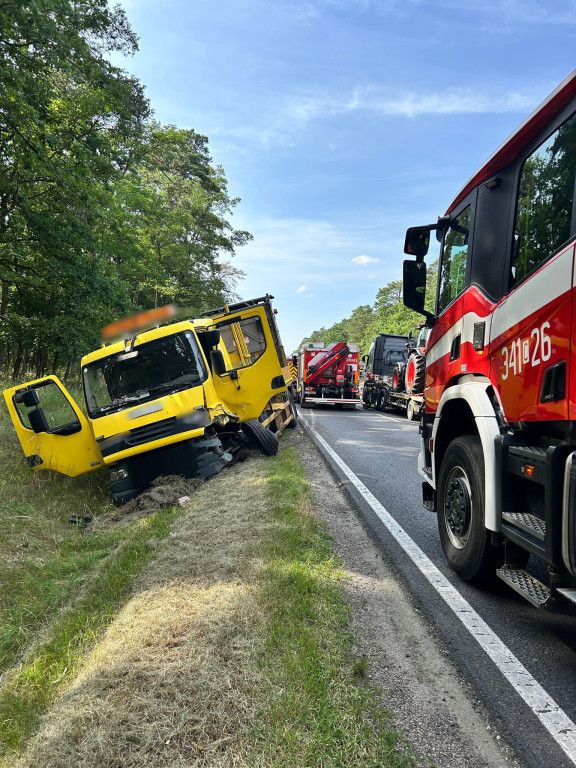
(164, 492)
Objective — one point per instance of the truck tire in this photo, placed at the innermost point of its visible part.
(410, 410)
(303, 402)
(398, 377)
(465, 539)
(415, 374)
(382, 403)
(261, 437)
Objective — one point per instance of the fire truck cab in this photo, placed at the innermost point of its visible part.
(498, 451)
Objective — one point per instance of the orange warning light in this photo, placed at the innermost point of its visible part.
(529, 470)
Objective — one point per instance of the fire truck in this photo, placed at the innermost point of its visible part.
(328, 375)
(498, 435)
(162, 398)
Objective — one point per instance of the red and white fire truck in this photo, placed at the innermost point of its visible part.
(498, 449)
(328, 374)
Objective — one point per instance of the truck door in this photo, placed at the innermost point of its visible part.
(254, 373)
(53, 431)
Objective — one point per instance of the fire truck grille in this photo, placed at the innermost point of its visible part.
(151, 432)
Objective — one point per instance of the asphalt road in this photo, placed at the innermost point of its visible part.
(381, 450)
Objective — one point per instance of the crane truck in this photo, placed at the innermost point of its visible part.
(394, 373)
(179, 398)
(498, 435)
(328, 375)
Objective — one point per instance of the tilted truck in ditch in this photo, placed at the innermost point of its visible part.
(498, 451)
(178, 399)
(394, 374)
(328, 374)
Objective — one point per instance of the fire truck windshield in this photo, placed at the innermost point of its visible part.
(159, 367)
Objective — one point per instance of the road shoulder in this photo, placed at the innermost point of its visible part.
(431, 703)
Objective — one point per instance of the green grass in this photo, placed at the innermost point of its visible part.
(60, 586)
(319, 710)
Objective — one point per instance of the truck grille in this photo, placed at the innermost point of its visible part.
(150, 432)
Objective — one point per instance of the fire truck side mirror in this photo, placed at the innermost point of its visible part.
(417, 241)
(414, 286)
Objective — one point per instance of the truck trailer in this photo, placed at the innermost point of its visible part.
(328, 374)
(498, 446)
(180, 398)
(394, 374)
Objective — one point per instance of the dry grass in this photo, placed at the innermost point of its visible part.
(172, 682)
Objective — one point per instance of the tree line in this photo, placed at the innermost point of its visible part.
(386, 315)
(103, 210)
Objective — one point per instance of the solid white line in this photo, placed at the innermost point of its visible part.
(552, 717)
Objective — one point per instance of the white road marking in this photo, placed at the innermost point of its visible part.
(552, 717)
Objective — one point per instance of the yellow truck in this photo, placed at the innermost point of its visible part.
(178, 399)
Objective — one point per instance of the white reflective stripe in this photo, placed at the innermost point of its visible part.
(463, 326)
(442, 347)
(543, 706)
(549, 284)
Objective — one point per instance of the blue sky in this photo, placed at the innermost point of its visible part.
(342, 122)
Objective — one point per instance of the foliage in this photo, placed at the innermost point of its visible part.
(387, 315)
(102, 211)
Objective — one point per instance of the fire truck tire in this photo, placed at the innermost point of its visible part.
(465, 540)
(415, 374)
(261, 437)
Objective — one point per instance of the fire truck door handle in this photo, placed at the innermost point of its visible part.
(455, 348)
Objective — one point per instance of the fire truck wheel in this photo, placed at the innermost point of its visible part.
(465, 540)
(261, 437)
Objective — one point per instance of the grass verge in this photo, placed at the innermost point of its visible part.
(318, 709)
(227, 645)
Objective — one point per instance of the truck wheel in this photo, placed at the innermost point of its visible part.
(398, 377)
(415, 374)
(465, 540)
(261, 437)
(382, 403)
(410, 411)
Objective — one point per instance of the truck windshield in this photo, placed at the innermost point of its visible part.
(159, 367)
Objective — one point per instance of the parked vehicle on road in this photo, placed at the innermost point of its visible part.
(328, 375)
(498, 452)
(393, 378)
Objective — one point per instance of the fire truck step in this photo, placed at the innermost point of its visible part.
(526, 585)
(526, 522)
(568, 592)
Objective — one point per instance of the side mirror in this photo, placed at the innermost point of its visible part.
(211, 338)
(217, 360)
(414, 286)
(38, 420)
(29, 398)
(417, 241)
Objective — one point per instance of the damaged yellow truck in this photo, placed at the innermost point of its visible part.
(179, 399)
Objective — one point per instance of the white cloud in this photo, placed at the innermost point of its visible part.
(364, 260)
(310, 296)
(301, 289)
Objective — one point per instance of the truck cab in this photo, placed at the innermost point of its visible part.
(166, 400)
(498, 439)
